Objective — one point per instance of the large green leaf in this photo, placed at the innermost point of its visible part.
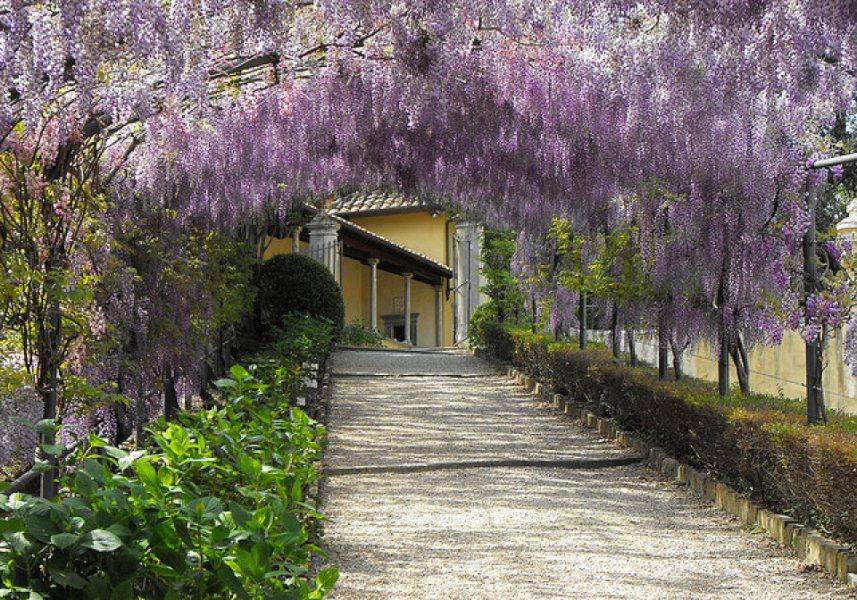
(327, 578)
(19, 542)
(147, 473)
(101, 540)
(64, 540)
(67, 578)
(11, 524)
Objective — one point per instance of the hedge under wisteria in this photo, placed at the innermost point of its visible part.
(141, 138)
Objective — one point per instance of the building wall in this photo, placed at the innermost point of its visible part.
(418, 231)
(773, 370)
(355, 277)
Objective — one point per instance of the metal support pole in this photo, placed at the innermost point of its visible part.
(814, 400)
(835, 161)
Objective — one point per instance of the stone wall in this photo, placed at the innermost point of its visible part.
(773, 370)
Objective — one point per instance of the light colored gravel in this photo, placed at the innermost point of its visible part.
(448, 362)
(620, 532)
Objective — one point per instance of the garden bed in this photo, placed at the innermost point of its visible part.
(215, 505)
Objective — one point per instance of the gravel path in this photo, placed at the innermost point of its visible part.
(520, 532)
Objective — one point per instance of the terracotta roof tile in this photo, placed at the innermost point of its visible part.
(374, 202)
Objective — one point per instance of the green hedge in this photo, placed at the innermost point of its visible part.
(295, 283)
(214, 507)
(757, 443)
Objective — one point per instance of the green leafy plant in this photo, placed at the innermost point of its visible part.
(303, 338)
(215, 507)
(361, 336)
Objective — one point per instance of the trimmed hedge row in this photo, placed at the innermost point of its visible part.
(758, 443)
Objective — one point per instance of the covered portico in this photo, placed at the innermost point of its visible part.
(402, 294)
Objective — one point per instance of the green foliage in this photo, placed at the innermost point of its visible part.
(361, 336)
(304, 339)
(228, 271)
(504, 294)
(49, 230)
(294, 283)
(758, 442)
(214, 508)
(492, 337)
(615, 269)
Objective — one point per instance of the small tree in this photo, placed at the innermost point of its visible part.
(50, 237)
(504, 293)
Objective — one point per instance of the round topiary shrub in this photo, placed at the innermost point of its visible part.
(294, 283)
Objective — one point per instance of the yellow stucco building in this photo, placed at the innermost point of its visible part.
(395, 257)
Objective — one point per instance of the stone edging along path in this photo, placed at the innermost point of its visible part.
(805, 542)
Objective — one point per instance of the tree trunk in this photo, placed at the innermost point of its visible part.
(677, 352)
(120, 410)
(140, 409)
(48, 384)
(205, 381)
(533, 306)
(722, 331)
(632, 349)
(739, 358)
(663, 350)
(220, 363)
(582, 330)
(171, 400)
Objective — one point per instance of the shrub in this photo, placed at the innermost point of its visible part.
(304, 339)
(214, 508)
(758, 443)
(295, 283)
(361, 336)
(494, 338)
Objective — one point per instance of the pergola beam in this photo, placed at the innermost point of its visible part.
(835, 161)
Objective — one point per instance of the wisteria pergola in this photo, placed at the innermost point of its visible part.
(696, 121)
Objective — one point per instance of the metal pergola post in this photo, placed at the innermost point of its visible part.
(815, 411)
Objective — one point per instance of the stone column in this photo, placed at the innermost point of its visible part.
(407, 277)
(323, 246)
(438, 315)
(296, 239)
(847, 227)
(468, 267)
(373, 293)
